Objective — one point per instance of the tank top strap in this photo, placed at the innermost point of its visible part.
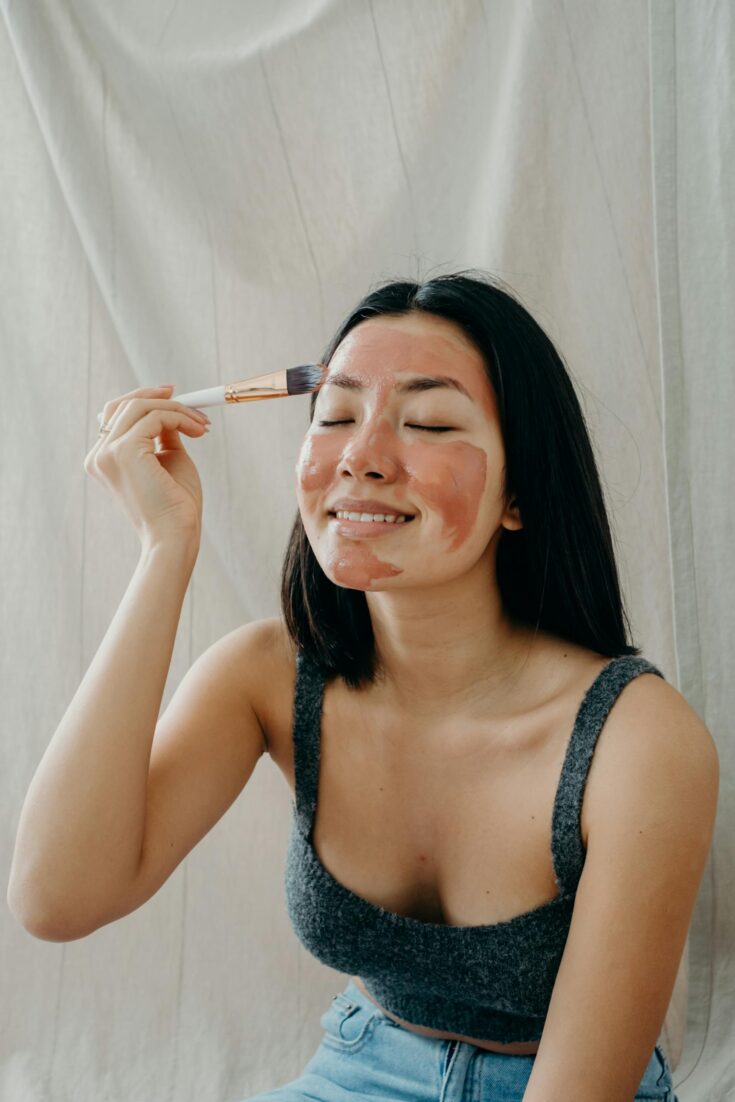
(307, 714)
(567, 848)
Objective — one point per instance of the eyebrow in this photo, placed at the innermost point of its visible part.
(422, 382)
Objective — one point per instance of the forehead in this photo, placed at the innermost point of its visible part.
(386, 350)
(399, 341)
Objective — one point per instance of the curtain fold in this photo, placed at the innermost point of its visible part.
(692, 103)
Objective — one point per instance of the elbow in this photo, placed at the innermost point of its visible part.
(42, 931)
(40, 924)
(49, 931)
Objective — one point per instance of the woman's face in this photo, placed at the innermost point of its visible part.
(380, 456)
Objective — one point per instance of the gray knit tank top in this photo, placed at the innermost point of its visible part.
(491, 982)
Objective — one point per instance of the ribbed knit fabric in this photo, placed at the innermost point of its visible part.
(492, 982)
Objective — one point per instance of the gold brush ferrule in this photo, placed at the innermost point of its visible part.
(262, 386)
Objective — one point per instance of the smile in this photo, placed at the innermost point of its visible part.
(368, 525)
(381, 518)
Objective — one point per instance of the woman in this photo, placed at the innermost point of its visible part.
(511, 910)
(442, 659)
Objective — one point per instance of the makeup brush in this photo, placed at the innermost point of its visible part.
(279, 384)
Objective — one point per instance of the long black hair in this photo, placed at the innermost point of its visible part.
(557, 572)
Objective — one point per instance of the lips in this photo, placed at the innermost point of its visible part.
(353, 505)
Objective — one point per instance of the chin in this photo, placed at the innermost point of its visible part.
(374, 585)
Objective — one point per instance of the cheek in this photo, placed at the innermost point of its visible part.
(355, 566)
(451, 480)
(316, 463)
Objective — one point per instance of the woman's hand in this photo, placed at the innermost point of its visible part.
(159, 489)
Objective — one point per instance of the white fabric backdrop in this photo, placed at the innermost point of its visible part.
(192, 193)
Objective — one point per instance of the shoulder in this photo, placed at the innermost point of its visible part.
(655, 771)
(655, 756)
(268, 661)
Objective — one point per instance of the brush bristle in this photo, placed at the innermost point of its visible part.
(304, 379)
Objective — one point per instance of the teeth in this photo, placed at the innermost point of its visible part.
(386, 518)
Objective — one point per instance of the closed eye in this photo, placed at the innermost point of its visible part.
(424, 428)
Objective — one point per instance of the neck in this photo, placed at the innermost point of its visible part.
(447, 646)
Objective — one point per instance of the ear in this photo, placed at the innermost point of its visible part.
(512, 519)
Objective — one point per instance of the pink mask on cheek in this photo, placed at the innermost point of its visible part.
(355, 566)
(449, 477)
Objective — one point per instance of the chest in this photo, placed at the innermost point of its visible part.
(444, 821)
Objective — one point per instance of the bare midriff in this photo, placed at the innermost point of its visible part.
(522, 1048)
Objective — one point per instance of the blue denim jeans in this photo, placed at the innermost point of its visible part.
(365, 1055)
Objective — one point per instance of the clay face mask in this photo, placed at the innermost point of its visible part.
(380, 443)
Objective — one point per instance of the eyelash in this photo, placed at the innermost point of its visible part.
(425, 428)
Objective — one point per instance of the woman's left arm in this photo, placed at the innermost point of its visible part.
(651, 823)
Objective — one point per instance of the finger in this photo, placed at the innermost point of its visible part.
(135, 409)
(169, 439)
(156, 419)
(112, 408)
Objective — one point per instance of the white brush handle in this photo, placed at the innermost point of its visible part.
(212, 396)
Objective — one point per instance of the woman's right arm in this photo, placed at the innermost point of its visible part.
(81, 827)
(118, 798)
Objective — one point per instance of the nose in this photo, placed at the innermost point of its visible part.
(371, 453)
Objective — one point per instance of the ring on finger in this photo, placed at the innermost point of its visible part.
(104, 426)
